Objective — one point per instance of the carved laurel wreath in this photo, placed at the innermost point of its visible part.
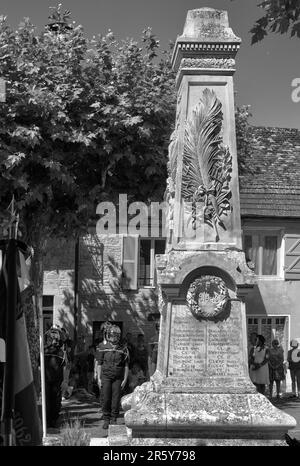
(207, 296)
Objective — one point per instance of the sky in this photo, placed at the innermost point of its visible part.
(265, 70)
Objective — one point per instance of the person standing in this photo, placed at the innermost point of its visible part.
(67, 348)
(130, 346)
(276, 367)
(253, 337)
(259, 368)
(54, 374)
(90, 368)
(294, 366)
(112, 373)
(140, 355)
(153, 351)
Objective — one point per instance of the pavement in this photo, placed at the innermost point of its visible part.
(85, 407)
(291, 406)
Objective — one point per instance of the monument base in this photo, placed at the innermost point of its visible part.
(122, 436)
(165, 418)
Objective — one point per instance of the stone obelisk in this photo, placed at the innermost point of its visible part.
(201, 393)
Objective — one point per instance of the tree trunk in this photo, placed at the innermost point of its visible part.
(37, 278)
(37, 272)
(32, 327)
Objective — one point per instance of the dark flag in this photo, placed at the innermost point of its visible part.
(26, 421)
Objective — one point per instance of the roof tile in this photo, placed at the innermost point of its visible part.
(271, 186)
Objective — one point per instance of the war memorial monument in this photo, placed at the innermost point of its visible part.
(201, 393)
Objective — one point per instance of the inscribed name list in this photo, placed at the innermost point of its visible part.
(204, 348)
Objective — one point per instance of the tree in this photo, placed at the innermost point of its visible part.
(81, 119)
(244, 137)
(132, 117)
(281, 16)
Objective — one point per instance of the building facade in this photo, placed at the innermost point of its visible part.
(116, 273)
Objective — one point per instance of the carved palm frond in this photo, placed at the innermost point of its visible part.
(206, 163)
(172, 163)
(201, 144)
(222, 177)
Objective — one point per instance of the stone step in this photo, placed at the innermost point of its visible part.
(99, 442)
(117, 435)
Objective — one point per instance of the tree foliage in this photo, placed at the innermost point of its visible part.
(83, 119)
(244, 137)
(281, 16)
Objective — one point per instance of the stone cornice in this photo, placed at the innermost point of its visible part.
(202, 50)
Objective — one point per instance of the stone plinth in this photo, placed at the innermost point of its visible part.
(213, 417)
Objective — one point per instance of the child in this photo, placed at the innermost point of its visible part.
(112, 373)
(140, 354)
(153, 350)
(136, 377)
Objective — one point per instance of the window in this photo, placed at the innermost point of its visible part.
(148, 249)
(262, 248)
(130, 262)
(48, 307)
(139, 261)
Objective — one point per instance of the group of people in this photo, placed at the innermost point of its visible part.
(114, 367)
(109, 369)
(267, 365)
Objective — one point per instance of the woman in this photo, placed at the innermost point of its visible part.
(259, 368)
(276, 367)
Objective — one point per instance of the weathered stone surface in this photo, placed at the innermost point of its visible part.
(51, 441)
(194, 442)
(208, 24)
(99, 442)
(207, 63)
(126, 402)
(117, 435)
(204, 415)
(206, 49)
(174, 267)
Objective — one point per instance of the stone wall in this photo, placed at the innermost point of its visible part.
(101, 296)
(59, 280)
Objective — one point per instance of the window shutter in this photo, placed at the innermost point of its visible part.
(292, 257)
(130, 262)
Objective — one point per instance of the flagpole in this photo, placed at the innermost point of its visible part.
(42, 365)
(8, 386)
